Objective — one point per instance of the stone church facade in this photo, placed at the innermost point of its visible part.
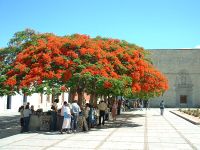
(182, 68)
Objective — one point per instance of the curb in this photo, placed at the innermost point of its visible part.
(188, 119)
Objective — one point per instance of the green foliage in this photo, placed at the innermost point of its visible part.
(21, 37)
(16, 44)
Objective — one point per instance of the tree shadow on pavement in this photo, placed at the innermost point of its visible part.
(7, 119)
(131, 115)
(123, 121)
(9, 125)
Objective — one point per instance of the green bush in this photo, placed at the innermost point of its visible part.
(189, 111)
(196, 113)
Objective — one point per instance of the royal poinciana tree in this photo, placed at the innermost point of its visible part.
(98, 66)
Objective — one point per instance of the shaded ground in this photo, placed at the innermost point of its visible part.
(9, 125)
(123, 121)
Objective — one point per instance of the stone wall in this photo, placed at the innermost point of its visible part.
(182, 68)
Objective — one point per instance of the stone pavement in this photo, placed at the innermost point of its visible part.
(136, 130)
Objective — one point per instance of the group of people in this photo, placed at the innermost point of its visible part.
(25, 112)
(146, 103)
(104, 110)
(70, 116)
(93, 115)
(140, 104)
(71, 112)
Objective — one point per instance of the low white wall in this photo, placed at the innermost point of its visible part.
(16, 101)
(3, 103)
(34, 99)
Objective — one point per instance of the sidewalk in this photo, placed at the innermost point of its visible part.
(136, 130)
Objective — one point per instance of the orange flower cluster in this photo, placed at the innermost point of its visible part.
(107, 84)
(11, 81)
(63, 88)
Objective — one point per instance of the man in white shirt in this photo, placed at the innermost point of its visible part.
(75, 113)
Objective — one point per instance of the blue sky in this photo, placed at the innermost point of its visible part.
(151, 24)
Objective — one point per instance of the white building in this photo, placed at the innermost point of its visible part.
(182, 68)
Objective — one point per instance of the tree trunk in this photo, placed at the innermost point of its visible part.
(72, 94)
(93, 99)
(93, 96)
(80, 92)
(80, 97)
(9, 102)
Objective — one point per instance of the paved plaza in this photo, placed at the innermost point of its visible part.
(137, 130)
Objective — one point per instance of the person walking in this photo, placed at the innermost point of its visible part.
(141, 104)
(147, 104)
(162, 106)
(86, 113)
(75, 109)
(114, 110)
(102, 108)
(21, 109)
(65, 112)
